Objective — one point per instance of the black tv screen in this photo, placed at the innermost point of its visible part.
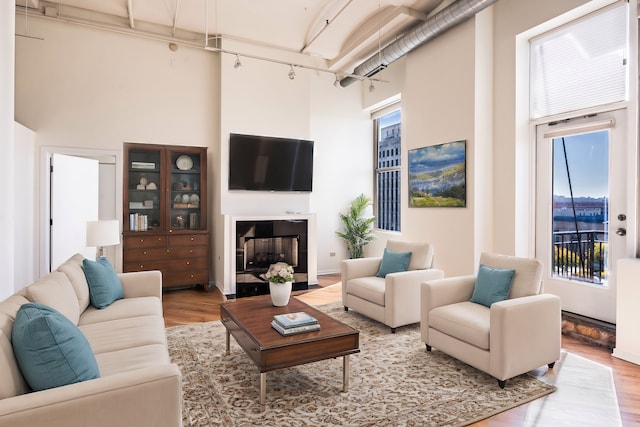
(264, 163)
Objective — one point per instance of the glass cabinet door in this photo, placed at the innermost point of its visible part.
(186, 193)
(144, 190)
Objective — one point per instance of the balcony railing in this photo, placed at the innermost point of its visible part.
(580, 256)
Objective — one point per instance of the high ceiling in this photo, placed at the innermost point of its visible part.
(335, 35)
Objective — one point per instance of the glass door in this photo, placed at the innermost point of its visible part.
(581, 210)
(143, 194)
(187, 195)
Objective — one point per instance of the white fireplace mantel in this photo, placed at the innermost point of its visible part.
(230, 265)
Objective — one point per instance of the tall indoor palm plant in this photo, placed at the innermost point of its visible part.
(358, 231)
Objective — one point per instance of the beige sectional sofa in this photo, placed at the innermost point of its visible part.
(138, 384)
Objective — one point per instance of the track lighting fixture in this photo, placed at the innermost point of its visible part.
(237, 64)
(336, 83)
(371, 86)
(292, 73)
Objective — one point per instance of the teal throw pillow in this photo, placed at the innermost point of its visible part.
(104, 284)
(50, 350)
(492, 285)
(393, 262)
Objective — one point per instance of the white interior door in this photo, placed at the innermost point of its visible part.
(581, 210)
(73, 202)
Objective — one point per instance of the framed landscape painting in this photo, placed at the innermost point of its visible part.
(437, 175)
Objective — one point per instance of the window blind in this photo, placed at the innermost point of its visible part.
(581, 64)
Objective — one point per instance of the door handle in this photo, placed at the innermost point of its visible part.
(621, 231)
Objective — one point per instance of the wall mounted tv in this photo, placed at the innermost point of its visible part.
(263, 163)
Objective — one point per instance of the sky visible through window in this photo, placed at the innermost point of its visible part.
(390, 119)
(588, 159)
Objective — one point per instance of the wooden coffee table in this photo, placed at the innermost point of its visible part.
(249, 321)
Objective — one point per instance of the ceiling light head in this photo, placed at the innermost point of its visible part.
(292, 73)
(371, 86)
(336, 83)
(237, 64)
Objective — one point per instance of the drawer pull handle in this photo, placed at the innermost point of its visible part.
(168, 250)
(144, 253)
(141, 267)
(191, 276)
(141, 240)
(193, 238)
(188, 262)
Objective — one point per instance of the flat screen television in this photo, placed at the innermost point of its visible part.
(264, 163)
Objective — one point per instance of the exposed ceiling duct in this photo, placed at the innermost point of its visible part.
(449, 17)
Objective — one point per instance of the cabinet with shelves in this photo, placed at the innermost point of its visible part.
(165, 212)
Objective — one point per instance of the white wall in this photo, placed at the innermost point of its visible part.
(259, 98)
(83, 87)
(25, 230)
(86, 89)
(7, 190)
(511, 173)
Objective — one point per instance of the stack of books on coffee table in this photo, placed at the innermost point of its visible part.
(294, 323)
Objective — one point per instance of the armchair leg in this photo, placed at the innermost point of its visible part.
(551, 365)
(393, 330)
(346, 308)
(502, 383)
(428, 347)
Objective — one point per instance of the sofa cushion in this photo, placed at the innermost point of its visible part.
(368, 288)
(421, 253)
(393, 262)
(50, 350)
(466, 321)
(104, 284)
(123, 309)
(73, 269)
(131, 359)
(56, 291)
(492, 285)
(114, 335)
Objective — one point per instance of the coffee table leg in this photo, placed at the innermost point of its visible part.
(263, 387)
(228, 344)
(345, 373)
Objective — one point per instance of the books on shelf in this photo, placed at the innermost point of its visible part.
(296, 329)
(143, 165)
(294, 323)
(138, 222)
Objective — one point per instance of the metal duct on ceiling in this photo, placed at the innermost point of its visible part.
(435, 25)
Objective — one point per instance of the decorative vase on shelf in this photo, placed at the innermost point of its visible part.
(280, 293)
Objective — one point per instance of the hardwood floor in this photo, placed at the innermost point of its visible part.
(589, 379)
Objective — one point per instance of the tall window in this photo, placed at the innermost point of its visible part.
(388, 153)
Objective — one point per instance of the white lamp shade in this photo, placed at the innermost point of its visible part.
(103, 233)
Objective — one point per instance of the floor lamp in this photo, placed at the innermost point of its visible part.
(103, 233)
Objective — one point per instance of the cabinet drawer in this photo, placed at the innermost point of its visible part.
(189, 240)
(153, 254)
(148, 241)
(179, 278)
(187, 264)
(145, 266)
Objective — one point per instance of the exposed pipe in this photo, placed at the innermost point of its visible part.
(447, 18)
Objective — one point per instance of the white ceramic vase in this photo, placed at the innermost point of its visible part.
(280, 293)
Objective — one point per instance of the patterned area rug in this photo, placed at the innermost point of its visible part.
(393, 382)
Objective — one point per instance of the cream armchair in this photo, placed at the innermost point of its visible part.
(506, 339)
(394, 299)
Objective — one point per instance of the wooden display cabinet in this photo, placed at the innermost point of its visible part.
(165, 221)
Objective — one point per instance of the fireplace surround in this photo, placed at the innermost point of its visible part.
(262, 242)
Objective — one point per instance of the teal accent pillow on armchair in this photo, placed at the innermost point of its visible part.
(393, 262)
(104, 284)
(50, 350)
(492, 285)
